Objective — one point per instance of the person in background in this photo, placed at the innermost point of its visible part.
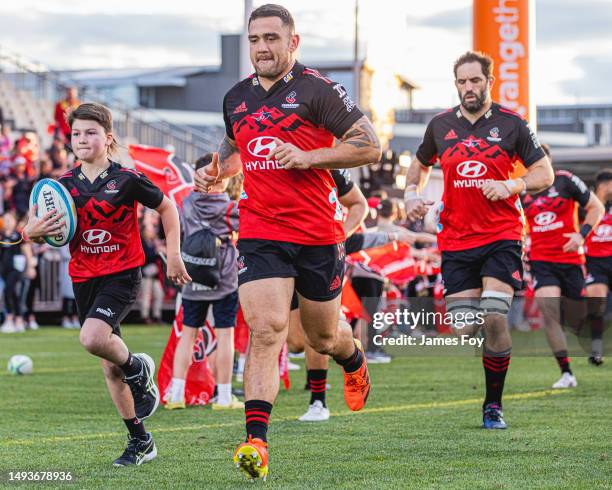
(16, 263)
(62, 110)
(152, 292)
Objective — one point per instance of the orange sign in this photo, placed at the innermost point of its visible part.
(502, 30)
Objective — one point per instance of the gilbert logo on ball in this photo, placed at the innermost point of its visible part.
(50, 195)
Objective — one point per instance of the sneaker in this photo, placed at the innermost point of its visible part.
(8, 327)
(138, 451)
(32, 325)
(377, 357)
(251, 458)
(316, 413)
(233, 405)
(66, 323)
(76, 324)
(493, 417)
(297, 355)
(357, 384)
(292, 366)
(566, 380)
(596, 360)
(142, 386)
(175, 405)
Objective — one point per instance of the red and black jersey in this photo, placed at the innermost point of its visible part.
(599, 241)
(470, 155)
(107, 238)
(305, 109)
(553, 212)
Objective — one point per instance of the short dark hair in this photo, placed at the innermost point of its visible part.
(92, 111)
(273, 10)
(486, 62)
(203, 161)
(386, 208)
(603, 176)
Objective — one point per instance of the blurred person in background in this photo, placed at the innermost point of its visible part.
(152, 292)
(216, 212)
(63, 108)
(16, 264)
(70, 318)
(19, 186)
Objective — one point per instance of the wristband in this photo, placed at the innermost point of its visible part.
(585, 230)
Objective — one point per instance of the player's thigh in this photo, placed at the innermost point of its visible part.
(319, 318)
(265, 304)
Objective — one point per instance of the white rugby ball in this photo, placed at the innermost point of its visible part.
(50, 195)
(20, 364)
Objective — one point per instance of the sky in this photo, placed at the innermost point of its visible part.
(573, 49)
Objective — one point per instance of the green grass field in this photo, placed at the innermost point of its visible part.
(420, 429)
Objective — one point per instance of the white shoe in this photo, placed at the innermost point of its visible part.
(566, 380)
(8, 327)
(75, 324)
(316, 413)
(33, 325)
(66, 323)
(291, 366)
(297, 355)
(20, 327)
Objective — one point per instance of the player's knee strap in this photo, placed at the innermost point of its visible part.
(465, 312)
(495, 303)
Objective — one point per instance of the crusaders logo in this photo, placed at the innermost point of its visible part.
(291, 98)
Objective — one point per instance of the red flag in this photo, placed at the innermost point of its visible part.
(283, 366)
(351, 304)
(166, 171)
(241, 333)
(200, 383)
(392, 261)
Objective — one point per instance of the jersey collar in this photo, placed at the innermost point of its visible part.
(81, 176)
(287, 79)
(485, 117)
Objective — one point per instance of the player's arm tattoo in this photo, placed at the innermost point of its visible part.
(361, 135)
(227, 148)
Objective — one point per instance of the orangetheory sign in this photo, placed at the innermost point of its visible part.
(501, 29)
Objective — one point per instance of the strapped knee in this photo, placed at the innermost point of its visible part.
(464, 312)
(495, 303)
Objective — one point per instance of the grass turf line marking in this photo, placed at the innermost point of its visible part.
(345, 413)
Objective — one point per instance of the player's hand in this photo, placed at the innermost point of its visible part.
(496, 190)
(48, 225)
(416, 207)
(175, 270)
(290, 156)
(208, 176)
(574, 242)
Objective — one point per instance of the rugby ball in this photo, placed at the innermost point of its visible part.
(50, 195)
(20, 364)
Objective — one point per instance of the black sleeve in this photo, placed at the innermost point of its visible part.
(527, 145)
(145, 191)
(578, 189)
(428, 151)
(333, 108)
(229, 131)
(342, 179)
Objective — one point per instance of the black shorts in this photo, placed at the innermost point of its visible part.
(224, 311)
(464, 269)
(599, 270)
(108, 298)
(568, 277)
(318, 269)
